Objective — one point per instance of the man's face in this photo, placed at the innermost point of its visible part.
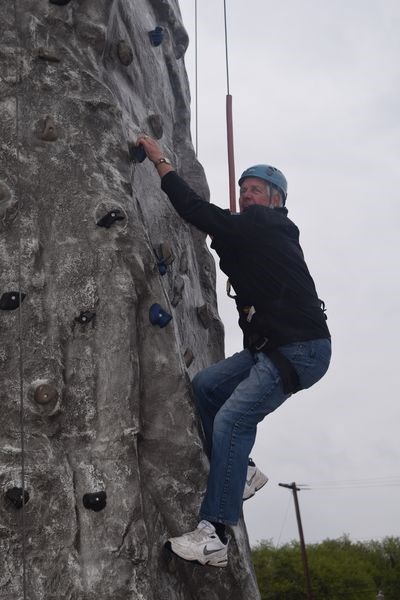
(254, 191)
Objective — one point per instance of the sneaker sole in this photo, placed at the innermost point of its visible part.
(208, 563)
(256, 490)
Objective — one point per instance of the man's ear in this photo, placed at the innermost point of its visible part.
(276, 200)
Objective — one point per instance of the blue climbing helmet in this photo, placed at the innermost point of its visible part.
(270, 174)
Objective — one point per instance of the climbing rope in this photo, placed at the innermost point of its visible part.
(195, 78)
(20, 328)
(229, 119)
(229, 125)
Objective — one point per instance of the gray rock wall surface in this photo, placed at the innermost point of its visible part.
(105, 396)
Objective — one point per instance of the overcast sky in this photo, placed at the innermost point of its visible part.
(316, 90)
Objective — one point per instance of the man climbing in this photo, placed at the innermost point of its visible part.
(287, 344)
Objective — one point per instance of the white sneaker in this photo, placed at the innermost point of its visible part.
(201, 545)
(255, 480)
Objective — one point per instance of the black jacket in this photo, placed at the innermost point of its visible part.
(259, 250)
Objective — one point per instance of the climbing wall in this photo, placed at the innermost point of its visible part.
(107, 309)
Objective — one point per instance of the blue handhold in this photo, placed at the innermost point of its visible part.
(137, 153)
(162, 267)
(158, 316)
(164, 257)
(156, 36)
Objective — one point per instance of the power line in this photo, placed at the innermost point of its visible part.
(370, 482)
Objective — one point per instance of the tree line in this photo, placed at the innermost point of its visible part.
(339, 570)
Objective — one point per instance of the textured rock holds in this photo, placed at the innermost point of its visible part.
(177, 291)
(95, 501)
(115, 413)
(45, 393)
(205, 315)
(158, 316)
(11, 300)
(49, 133)
(136, 152)
(6, 199)
(125, 53)
(110, 218)
(16, 497)
(85, 316)
(156, 125)
(47, 54)
(156, 36)
(188, 357)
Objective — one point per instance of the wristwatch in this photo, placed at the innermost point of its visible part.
(161, 161)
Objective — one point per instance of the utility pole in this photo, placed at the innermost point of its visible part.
(295, 489)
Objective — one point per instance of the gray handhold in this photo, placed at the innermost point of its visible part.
(127, 186)
(6, 198)
(188, 357)
(47, 54)
(183, 263)
(205, 316)
(155, 122)
(45, 393)
(49, 133)
(179, 284)
(125, 53)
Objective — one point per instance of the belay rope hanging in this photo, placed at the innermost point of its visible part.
(229, 126)
(18, 79)
(229, 119)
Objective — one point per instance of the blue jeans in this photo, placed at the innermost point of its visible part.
(232, 397)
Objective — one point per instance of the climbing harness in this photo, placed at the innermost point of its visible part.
(258, 343)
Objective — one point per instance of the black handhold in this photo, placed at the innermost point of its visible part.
(14, 495)
(156, 36)
(96, 501)
(10, 300)
(85, 317)
(137, 152)
(60, 2)
(110, 218)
